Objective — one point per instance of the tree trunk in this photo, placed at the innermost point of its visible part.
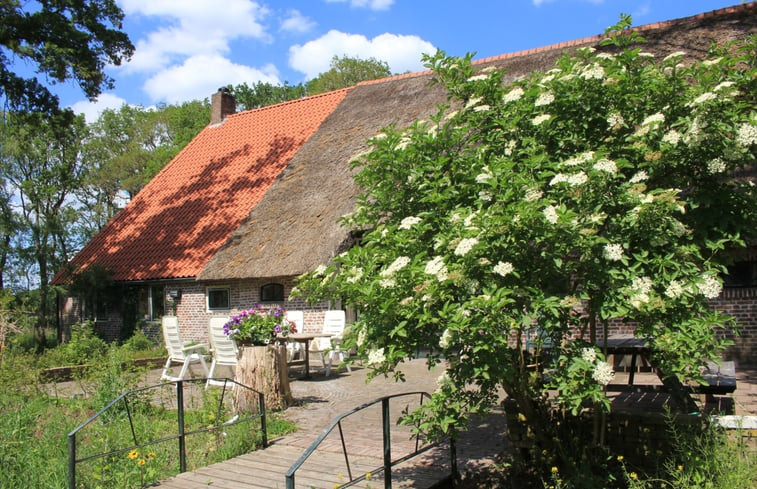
(264, 369)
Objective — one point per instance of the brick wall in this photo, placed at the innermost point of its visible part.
(194, 315)
(741, 303)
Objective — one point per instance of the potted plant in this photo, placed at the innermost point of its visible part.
(259, 326)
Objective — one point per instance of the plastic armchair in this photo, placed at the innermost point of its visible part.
(333, 325)
(293, 347)
(179, 352)
(224, 348)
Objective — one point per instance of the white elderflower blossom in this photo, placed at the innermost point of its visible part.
(503, 268)
(547, 79)
(513, 95)
(710, 287)
(443, 380)
(640, 176)
(577, 179)
(540, 119)
(557, 179)
(722, 85)
(409, 222)
(485, 196)
(465, 246)
(716, 165)
(606, 165)
(550, 214)
(710, 62)
(436, 267)
(674, 289)
(432, 131)
(477, 77)
(481, 108)
(450, 115)
(397, 265)
(579, 159)
(319, 270)
(533, 194)
(672, 137)
(605, 56)
(593, 72)
(509, 147)
(603, 373)
(446, 339)
(615, 120)
(674, 55)
(361, 338)
(645, 54)
(653, 119)
(468, 222)
(545, 98)
(387, 283)
(589, 354)
(613, 252)
(705, 97)
(747, 134)
(376, 357)
(485, 175)
(404, 143)
(355, 275)
(379, 136)
(695, 135)
(472, 102)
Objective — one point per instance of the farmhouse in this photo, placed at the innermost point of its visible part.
(255, 199)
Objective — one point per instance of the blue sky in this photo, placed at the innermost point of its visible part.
(186, 49)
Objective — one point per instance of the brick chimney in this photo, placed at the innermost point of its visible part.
(222, 104)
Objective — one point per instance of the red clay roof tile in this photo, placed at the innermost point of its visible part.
(183, 216)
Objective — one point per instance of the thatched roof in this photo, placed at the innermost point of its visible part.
(295, 227)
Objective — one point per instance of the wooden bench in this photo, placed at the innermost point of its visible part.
(721, 379)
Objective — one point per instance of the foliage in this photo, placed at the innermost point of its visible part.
(536, 213)
(62, 41)
(259, 325)
(347, 71)
(262, 94)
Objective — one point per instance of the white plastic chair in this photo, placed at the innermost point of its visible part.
(293, 347)
(333, 325)
(179, 351)
(225, 352)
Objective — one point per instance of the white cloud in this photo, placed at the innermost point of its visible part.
(192, 28)
(200, 76)
(92, 110)
(372, 4)
(296, 22)
(402, 53)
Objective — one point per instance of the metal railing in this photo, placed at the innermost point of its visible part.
(388, 462)
(181, 433)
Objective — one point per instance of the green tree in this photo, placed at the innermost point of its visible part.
(42, 167)
(540, 212)
(347, 71)
(262, 94)
(63, 40)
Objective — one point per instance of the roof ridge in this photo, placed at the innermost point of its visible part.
(293, 101)
(752, 5)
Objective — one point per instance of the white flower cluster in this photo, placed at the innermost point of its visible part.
(404, 143)
(320, 269)
(485, 175)
(673, 56)
(443, 380)
(722, 85)
(615, 120)
(589, 354)
(473, 102)
(747, 134)
(613, 252)
(503, 268)
(573, 180)
(361, 338)
(545, 98)
(513, 95)
(533, 194)
(479, 77)
(593, 72)
(606, 165)
(397, 265)
(716, 166)
(550, 214)
(705, 97)
(436, 267)
(446, 338)
(355, 275)
(653, 119)
(540, 119)
(710, 287)
(695, 135)
(376, 357)
(579, 159)
(465, 245)
(481, 108)
(603, 373)
(674, 289)
(409, 222)
(641, 286)
(672, 137)
(639, 177)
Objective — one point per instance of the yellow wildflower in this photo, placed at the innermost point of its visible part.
(368, 475)
(633, 475)
(620, 458)
(133, 454)
(141, 462)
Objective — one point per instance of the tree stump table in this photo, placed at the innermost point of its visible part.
(264, 369)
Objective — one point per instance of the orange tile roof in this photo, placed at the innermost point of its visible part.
(185, 214)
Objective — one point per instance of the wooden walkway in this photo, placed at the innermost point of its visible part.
(266, 469)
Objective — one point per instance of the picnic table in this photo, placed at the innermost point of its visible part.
(720, 378)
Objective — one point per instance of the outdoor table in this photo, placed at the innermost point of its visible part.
(304, 339)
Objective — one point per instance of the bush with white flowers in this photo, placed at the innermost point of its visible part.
(608, 196)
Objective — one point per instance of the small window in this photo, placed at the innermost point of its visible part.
(272, 293)
(218, 298)
(742, 274)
